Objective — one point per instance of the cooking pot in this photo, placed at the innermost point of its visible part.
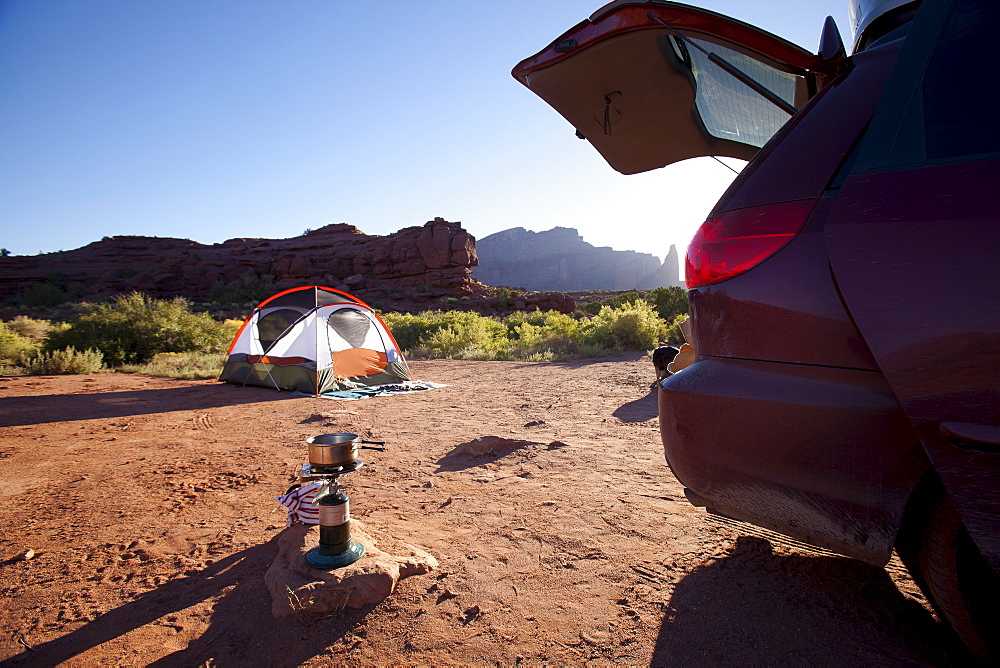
(337, 449)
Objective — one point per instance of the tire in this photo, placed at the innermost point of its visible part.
(960, 583)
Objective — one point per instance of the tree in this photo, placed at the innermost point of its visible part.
(669, 302)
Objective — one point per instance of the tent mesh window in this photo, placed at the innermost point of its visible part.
(351, 325)
(272, 325)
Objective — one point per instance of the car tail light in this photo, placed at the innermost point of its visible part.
(735, 241)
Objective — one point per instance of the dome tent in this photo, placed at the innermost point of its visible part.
(314, 339)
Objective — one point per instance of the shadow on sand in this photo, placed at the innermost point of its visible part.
(484, 450)
(21, 411)
(241, 624)
(752, 607)
(639, 410)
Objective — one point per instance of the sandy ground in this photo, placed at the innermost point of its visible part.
(149, 504)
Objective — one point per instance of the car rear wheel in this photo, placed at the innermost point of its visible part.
(959, 581)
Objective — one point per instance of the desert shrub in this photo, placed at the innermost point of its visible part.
(669, 302)
(593, 308)
(626, 298)
(193, 365)
(43, 294)
(134, 327)
(533, 336)
(248, 288)
(230, 327)
(407, 328)
(36, 330)
(462, 331)
(505, 297)
(674, 333)
(15, 348)
(631, 326)
(543, 333)
(66, 361)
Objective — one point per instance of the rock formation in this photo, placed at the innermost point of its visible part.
(560, 259)
(296, 587)
(414, 265)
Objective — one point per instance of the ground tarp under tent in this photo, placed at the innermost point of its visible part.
(314, 340)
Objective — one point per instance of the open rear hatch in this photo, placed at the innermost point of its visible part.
(651, 83)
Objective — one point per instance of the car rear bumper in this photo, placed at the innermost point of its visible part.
(819, 453)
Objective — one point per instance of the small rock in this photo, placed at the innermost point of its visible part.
(25, 556)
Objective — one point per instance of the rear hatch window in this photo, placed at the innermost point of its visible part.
(652, 83)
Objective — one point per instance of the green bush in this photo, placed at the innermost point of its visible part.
(547, 333)
(459, 331)
(669, 302)
(248, 288)
(15, 348)
(43, 294)
(68, 361)
(631, 326)
(535, 336)
(626, 298)
(134, 327)
(674, 333)
(505, 297)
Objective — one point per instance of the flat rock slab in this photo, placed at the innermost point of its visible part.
(297, 587)
(490, 445)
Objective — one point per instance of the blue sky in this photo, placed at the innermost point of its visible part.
(215, 119)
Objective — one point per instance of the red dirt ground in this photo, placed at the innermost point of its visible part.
(149, 504)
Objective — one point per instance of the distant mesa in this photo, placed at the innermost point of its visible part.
(559, 259)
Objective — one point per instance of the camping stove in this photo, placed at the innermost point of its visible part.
(336, 549)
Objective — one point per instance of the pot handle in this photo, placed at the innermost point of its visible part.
(368, 447)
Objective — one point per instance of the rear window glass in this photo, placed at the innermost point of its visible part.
(728, 107)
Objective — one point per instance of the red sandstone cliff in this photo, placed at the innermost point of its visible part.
(416, 267)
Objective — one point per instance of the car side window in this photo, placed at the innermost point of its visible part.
(936, 106)
(959, 120)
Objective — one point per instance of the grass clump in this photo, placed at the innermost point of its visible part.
(66, 361)
(30, 328)
(191, 365)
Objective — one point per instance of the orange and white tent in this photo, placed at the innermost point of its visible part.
(314, 339)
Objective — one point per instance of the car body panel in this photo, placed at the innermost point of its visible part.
(914, 244)
(766, 316)
(840, 478)
(936, 341)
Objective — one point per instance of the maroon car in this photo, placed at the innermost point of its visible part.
(844, 291)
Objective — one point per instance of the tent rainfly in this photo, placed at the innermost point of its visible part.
(314, 339)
